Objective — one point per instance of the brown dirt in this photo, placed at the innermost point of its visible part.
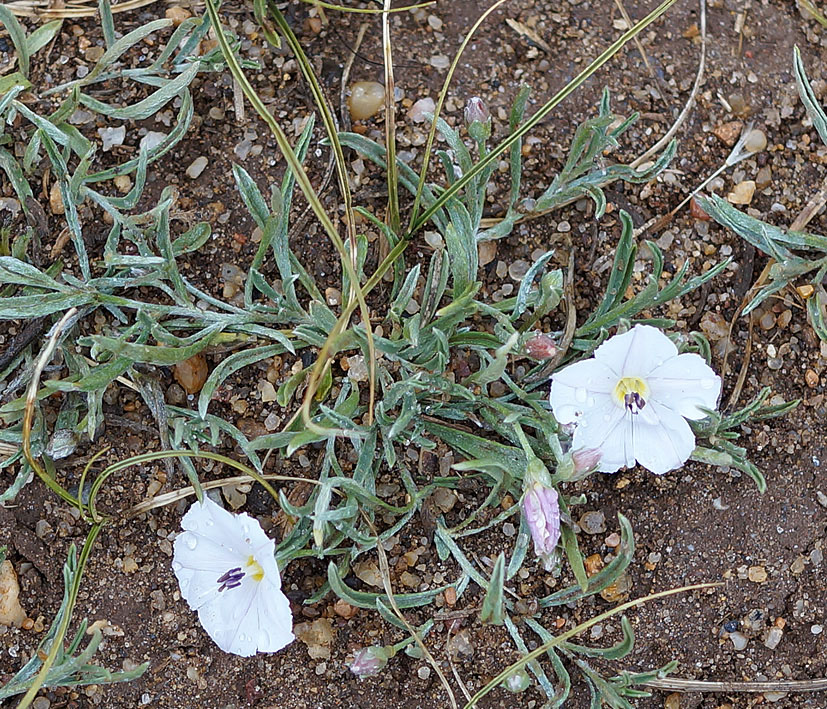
(701, 524)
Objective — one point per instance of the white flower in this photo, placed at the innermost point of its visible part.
(632, 399)
(226, 568)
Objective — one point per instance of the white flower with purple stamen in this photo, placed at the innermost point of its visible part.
(226, 568)
(631, 401)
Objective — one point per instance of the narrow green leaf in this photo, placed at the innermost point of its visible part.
(492, 609)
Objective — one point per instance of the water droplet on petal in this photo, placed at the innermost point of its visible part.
(209, 523)
(580, 394)
(707, 383)
(177, 566)
(607, 417)
(190, 540)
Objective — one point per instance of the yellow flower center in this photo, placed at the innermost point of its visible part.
(256, 572)
(632, 393)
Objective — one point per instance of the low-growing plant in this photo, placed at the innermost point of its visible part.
(404, 404)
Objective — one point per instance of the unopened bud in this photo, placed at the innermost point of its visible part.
(518, 681)
(541, 510)
(477, 119)
(476, 110)
(586, 460)
(541, 346)
(369, 661)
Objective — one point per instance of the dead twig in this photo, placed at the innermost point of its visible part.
(43, 9)
(690, 102)
(693, 685)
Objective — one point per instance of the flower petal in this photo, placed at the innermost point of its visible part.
(569, 404)
(637, 352)
(588, 374)
(666, 445)
(610, 432)
(684, 383)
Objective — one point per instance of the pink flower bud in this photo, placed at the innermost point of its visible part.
(586, 460)
(476, 110)
(542, 515)
(541, 346)
(369, 661)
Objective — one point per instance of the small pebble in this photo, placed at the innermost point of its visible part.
(811, 378)
(518, 269)
(673, 701)
(433, 239)
(440, 61)
(487, 252)
(816, 629)
(112, 137)
(767, 321)
(365, 100)
(742, 193)
(613, 540)
(267, 391)
(196, 167)
(357, 368)
(738, 105)
(593, 522)
(333, 296)
(123, 183)
(739, 640)
(152, 140)
(417, 112)
(763, 178)
(757, 574)
(177, 14)
(728, 133)
(56, 199)
(191, 373)
(755, 141)
(773, 638)
(41, 703)
(423, 672)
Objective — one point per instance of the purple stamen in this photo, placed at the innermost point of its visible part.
(634, 402)
(231, 579)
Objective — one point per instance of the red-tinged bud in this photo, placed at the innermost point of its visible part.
(586, 460)
(541, 346)
(476, 110)
(370, 661)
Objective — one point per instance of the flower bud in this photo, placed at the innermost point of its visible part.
(541, 346)
(476, 110)
(518, 681)
(542, 515)
(586, 460)
(370, 661)
(477, 119)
